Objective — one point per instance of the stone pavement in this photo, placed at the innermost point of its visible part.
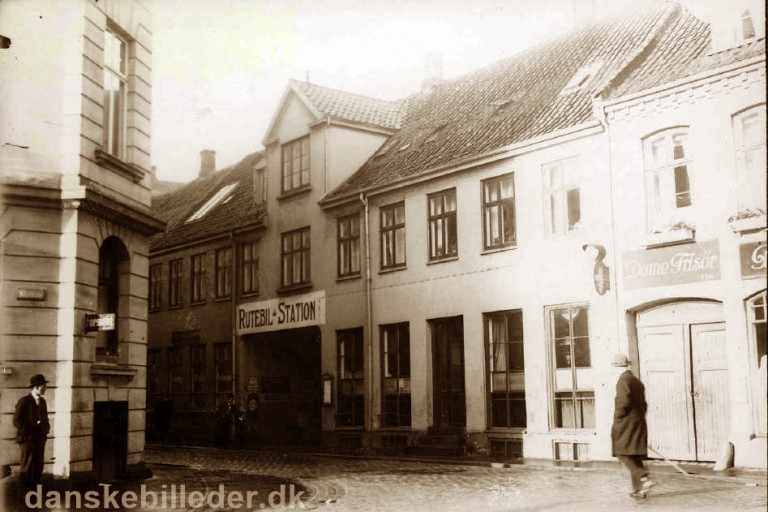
(330, 483)
(341, 484)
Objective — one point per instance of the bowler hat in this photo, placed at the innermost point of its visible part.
(37, 380)
(620, 360)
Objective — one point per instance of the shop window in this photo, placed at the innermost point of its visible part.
(668, 186)
(115, 93)
(499, 212)
(222, 363)
(113, 297)
(295, 258)
(443, 241)
(562, 197)
(349, 245)
(757, 314)
(750, 135)
(505, 369)
(155, 287)
(174, 282)
(351, 391)
(197, 369)
(393, 236)
(249, 268)
(296, 164)
(198, 278)
(396, 375)
(223, 272)
(574, 398)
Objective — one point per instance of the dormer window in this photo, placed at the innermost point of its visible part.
(221, 197)
(747, 27)
(295, 164)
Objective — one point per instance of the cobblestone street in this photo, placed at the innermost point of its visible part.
(356, 484)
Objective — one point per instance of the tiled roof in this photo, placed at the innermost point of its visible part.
(522, 96)
(176, 207)
(348, 106)
(680, 51)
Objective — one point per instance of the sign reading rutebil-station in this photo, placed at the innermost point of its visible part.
(277, 314)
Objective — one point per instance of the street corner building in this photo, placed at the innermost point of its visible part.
(453, 272)
(75, 226)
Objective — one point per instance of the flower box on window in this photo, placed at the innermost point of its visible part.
(679, 233)
(750, 219)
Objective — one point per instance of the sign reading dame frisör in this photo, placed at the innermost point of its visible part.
(277, 314)
(677, 264)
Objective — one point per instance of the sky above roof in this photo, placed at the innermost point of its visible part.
(220, 68)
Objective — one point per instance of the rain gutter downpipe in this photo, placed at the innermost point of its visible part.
(234, 313)
(369, 308)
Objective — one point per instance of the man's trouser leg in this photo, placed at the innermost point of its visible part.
(636, 470)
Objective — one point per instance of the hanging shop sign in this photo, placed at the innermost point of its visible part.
(277, 314)
(672, 265)
(753, 259)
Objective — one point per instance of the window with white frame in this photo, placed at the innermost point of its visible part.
(749, 134)
(757, 314)
(348, 233)
(443, 237)
(295, 164)
(392, 227)
(667, 183)
(115, 93)
(562, 196)
(499, 212)
(572, 374)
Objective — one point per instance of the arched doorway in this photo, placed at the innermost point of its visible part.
(682, 350)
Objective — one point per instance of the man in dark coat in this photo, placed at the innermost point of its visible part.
(32, 427)
(629, 433)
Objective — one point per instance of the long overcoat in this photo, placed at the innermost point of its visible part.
(629, 433)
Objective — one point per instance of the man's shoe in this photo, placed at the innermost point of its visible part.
(646, 485)
(639, 496)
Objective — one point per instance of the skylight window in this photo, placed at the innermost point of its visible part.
(223, 195)
(582, 77)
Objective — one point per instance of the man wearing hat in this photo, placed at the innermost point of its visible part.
(629, 433)
(32, 427)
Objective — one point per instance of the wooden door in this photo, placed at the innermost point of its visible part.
(710, 389)
(664, 370)
(110, 440)
(448, 373)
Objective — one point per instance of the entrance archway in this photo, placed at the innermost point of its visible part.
(682, 350)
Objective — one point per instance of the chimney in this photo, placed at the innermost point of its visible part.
(433, 71)
(207, 163)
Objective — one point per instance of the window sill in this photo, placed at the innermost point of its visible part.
(223, 299)
(494, 250)
(124, 169)
(443, 260)
(289, 290)
(249, 295)
(176, 306)
(389, 270)
(748, 224)
(295, 192)
(201, 303)
(575, 432)
(350, 428)
(673, 237)
(511, 431)
(351, 277)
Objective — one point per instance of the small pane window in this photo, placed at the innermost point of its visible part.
(295, 172)
(115, 93)
(295, 258)
(174, 282)
(249, 268)
(351, 390)
(750, 136)
(396, 375)
(505, 369)
(223, 272)
(667, 171)
(222, 363)
(198, 278)
(756, 314)
(349, 246)
(155, 287)
(393, 236)
(562, 197)
(499, 212)
(443, 241)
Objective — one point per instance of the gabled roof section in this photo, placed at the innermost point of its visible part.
(680, 51)
(235, 211)
(512, 101)
(339, 105)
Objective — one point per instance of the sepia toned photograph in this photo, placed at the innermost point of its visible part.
(394, 255)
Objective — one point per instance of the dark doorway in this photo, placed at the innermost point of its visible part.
(110, 440)
(448, 372)
(286, 365)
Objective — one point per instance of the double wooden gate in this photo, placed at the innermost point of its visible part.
(683, 363)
